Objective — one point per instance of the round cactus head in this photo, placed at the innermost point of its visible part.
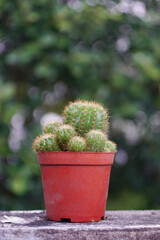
(76, 144)
(64, 133)
(95, 141)
(36, 144)
(110, 146)
(84, 115)
(51, 127)
(46, 143)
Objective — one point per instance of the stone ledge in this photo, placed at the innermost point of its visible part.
(118, 225)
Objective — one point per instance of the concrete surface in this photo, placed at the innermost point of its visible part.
(117, 225)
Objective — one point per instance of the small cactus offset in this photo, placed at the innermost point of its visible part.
(84, 116)
(46, 143)
(95, 141)
(36, 145)
(64, 133)
(51, 127)
(77, 144)
(110, 146)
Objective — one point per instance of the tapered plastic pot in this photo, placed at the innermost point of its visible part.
(75, 184)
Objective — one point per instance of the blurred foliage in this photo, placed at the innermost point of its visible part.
(56, 51)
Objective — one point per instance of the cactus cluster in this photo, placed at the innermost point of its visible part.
(84, 129)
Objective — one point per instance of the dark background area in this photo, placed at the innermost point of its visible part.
(53, 52)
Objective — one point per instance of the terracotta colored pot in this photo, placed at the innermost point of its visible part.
(75, 184)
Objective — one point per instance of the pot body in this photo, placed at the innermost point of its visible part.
(75, 184)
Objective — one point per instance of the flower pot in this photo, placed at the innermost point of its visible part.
(75, 184)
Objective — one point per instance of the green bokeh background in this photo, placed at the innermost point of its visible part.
(53, 52)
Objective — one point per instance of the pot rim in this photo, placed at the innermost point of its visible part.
(75, 158)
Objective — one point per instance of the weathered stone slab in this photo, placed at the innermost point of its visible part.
(118, 225)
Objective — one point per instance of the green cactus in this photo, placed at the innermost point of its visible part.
(110, 147)
(84, 115)
(36, 145)
(46, 143)
(87, 119)
(95, 141)
(77, 144)
(64, 133)
(51, 127)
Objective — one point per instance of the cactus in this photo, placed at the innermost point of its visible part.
(76, 144)
(36, 145)
(51, 127)
(84, 115)
(82, 119)
(64, 133)
(46, 143)
(110, 146)
(95, 141)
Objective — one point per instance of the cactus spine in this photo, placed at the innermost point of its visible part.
(51, 127)
(46, 143)
(64, 133)
(84, 115)
(95, 141)
(110, 146)
(76, 144)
